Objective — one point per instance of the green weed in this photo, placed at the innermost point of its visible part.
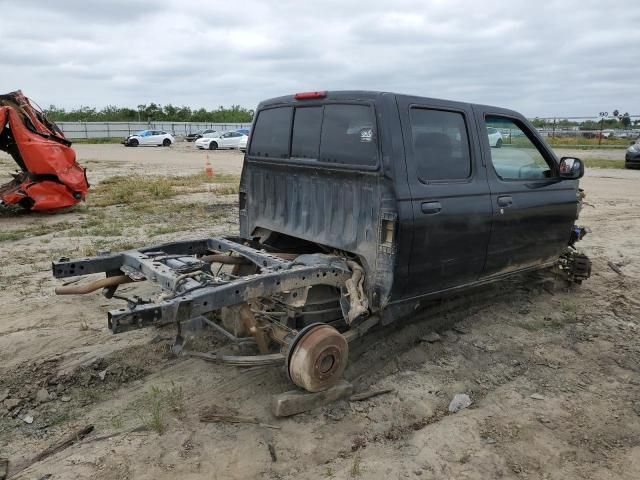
(603, 163)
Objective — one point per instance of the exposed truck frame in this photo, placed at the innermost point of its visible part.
(183, 270)
(327, 251)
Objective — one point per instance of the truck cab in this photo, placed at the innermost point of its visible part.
(429, 195)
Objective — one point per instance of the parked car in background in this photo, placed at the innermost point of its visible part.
(149, 137)
(242, 144)
(608, 133)
(192, 137)
(244, 131)
(632, 156)
(495, 137)
(220, 140)
(204, 141)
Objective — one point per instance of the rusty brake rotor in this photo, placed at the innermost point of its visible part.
(317, 357)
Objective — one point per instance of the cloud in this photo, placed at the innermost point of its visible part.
(554, 58)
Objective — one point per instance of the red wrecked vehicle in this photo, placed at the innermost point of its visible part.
(50, 178)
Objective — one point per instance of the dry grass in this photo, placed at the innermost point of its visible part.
(91, 249)
(158, 404)
(100, 140)
(591, 142)
(356, 469)
(139, 189)
(129, 190)
(125, 212)
(155, 418)
(33, 231)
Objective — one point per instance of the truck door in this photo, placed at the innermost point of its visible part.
(533, 209)
(449, 195)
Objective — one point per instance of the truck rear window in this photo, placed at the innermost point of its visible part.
(270, 137)
(348, 135)
(305, 142)
(333, 133)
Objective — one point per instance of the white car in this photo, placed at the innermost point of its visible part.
(495, 137)
(242, 144)
(217, 140)
(204, 142)
(149, 137)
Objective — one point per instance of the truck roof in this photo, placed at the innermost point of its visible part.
(373, 95)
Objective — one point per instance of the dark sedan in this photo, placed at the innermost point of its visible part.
(632, 157)
(192, 137)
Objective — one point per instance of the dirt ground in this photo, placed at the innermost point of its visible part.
(553, 372)
(183, 157)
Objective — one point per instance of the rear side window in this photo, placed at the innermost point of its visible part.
(440, 144)
(333, 133)
(305, 142)
(348, 135)
(271, 134)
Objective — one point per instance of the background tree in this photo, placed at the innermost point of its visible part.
(539, 122)
(150, 113)
(625, 120)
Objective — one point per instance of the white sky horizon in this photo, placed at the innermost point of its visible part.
(556, 58)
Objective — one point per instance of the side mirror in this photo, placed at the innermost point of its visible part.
(571, 168)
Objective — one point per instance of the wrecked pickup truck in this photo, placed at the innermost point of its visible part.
(356, 208)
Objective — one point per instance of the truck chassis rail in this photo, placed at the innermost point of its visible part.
(174, 267)
(316, 355)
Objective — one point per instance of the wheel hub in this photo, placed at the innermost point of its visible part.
(317, 357)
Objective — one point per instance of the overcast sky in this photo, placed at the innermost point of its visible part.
(539, 57)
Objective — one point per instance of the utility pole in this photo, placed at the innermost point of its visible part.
(602, 117)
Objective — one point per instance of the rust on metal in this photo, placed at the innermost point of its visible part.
(249, 321)
(318, 357)
(93, 286)
(233, 260)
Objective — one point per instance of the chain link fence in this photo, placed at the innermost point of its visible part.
(88, 130)
(604, 130)
(598, 131)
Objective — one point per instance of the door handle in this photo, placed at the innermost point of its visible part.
(431, 208)
(505, 201)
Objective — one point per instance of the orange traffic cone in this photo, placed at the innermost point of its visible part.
(208, 169)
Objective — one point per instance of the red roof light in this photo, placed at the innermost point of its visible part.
(309, 95)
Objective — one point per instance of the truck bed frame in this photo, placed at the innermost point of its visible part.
(191, 291)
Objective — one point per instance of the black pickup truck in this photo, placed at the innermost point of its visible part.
(356, 208)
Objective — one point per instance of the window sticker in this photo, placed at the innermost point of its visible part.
(366, 135)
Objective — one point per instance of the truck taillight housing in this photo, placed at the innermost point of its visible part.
(309, 95)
